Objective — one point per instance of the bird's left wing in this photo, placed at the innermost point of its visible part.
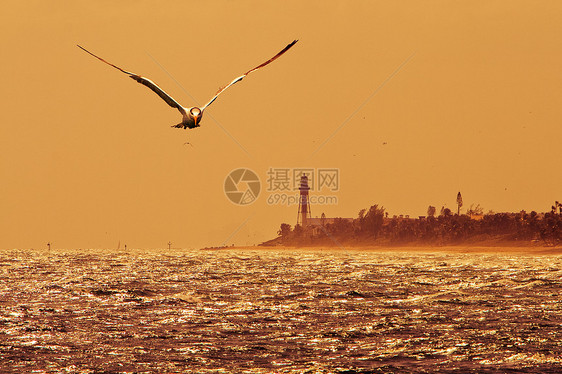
(248, 72)
(160, 92)
(145, 81)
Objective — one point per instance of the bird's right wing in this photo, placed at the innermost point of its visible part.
(248, 72)
(145, 81)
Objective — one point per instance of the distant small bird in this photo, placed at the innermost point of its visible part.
(191, 117)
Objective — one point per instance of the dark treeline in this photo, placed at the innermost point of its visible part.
(372, 226)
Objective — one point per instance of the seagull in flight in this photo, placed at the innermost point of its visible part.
(191, 117)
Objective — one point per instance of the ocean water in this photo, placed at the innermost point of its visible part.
(279, 311)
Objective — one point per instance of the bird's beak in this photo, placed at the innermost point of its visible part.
(195, 120)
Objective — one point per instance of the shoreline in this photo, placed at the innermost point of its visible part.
(458, 249)
(482, 248)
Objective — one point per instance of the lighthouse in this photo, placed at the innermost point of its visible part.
(303, 214)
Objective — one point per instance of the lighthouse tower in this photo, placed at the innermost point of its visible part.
(303, 214)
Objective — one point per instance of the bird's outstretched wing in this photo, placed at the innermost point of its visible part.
(145, 81)
(248, 72)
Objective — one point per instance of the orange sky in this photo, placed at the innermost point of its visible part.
(88, 158)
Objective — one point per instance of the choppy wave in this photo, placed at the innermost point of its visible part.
(279, 311)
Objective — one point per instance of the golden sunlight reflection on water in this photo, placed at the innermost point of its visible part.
(279, 311)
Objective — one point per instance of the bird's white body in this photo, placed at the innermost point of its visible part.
(191, 118)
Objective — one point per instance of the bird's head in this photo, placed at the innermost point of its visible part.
(196, 114)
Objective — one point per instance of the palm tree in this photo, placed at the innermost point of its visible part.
(459, 203)
(284, 230)
(431, 211)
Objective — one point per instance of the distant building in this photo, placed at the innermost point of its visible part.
(304, 219)
(476, 217)
(318, 225)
